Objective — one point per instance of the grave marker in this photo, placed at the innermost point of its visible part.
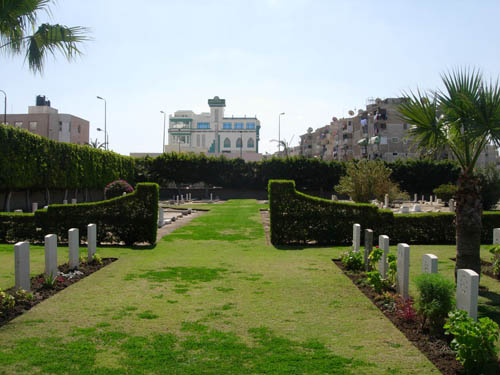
(73, 201)
(429, 263)
(161, 217)
(496, 236)
(386, 201)
(74, 248)
(451, 204)
(415, 198)
(34, 206)
(22, 265)
(467, 291)
(51, 255)
(356, 237)
(368, 246)
(383, 243)
(65, 201)
(403, 270)
(92, 241)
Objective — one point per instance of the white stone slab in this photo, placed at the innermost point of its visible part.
(356, 237)
(74, 248)
(386, 201)
(383, 243)
(73, 201)
(22, 265)
(18, 211)
(92, 241)
(416, 208)
(368, 246)
(438, 201)
(403, 270)
(415, 198)
(404, 210)
(451, 204)
(496, 236)
(211, 197)
(429, 263)
(467, 291)
(34, 206)
(65, 201)
(51, 255)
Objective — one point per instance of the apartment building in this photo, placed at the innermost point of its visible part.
(212, 133)
(46, 121)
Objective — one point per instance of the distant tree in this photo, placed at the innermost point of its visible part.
(18, 33)
(95, 144)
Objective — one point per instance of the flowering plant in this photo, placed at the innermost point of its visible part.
(117, 188)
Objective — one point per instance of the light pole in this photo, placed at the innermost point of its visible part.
(105, 125)
(279, 132)
(164, 122)
(4, 107)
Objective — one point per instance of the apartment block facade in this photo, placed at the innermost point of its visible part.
(47, 122)
(212, 133)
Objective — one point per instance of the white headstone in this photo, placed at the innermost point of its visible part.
(22, 265)
(51, 255)
(430, 200)
(416, 208)
(161, 217)
(438, 201)
(386, 201)
(92, 241)
(182, 197)
(124, 193)
(65, 201)
(423, 199)
(429, 263)
(73, 201)
(190, 211)
(403, 270)
(405, 210)
(74, 248)
(496, 236)
(34, 206)
(45, 207)
(177, 199)
(415, 198)
(18, 211)
(467, 291)
(383, 243)
(211, 197)
(451, 204)
(356, 237)
(368, 246)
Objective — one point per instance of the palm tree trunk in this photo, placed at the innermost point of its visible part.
(468, 222)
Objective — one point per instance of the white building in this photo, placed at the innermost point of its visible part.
(211, 133)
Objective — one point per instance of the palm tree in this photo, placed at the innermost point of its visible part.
(463, 118)
(18, 20)
(95, 144)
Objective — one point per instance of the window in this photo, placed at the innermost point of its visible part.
(395, 140)
(227, 125)
(203, 140)
(33, 125)
(197, 140)
(250, 125)
(405, 126)
(238, 125)
(238, 143)
(181, 139)
(227, 143)
(203, 125)
(60, 126)
(250, 143)
(79, 129)
(18, 124)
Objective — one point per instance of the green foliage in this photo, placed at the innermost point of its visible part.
(366, 180)
(22, 295)
(435, 299)
(445, 192)
(489, 178)
(7, 302)
(495, 259)
(96, 258)
(49, 281)
(375, 256)
(32, 162)
(131, 218)
(376, 281)
(353, 260)
(392, 269)
(297, 218)
(117, 188)
(473, 342)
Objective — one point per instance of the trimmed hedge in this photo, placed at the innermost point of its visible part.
(29, 161)
(297, 218)
(130, 218)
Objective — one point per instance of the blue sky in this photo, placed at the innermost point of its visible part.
(310, 59)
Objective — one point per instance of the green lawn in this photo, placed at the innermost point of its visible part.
(211, 298)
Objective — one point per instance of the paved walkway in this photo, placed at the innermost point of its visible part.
(180, 221)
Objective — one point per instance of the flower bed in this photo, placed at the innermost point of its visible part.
(14, 303)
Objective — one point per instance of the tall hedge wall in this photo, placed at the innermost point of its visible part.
(297, 218)
(414, 176)
(130, 218)
(29, 161)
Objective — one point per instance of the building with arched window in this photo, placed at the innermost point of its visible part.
(212, 133)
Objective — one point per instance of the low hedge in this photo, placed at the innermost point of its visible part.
(130, 218)
(297, 218)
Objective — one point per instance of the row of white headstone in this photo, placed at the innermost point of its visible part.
(467, 290)
(34, 205)
(161, 216)
(180, 199)
(22, 255)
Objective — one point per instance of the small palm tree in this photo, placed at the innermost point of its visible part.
(95, 144)
(18, 21)
(463, 118)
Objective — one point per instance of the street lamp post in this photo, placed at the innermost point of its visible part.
(105, 125)
(164, 122)
(105, 136)
(4, 107)
(241, 143)
(279, 132)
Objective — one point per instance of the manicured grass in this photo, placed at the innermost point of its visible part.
(210, 298)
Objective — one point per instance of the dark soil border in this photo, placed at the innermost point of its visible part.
(40, 293)
(435, 348)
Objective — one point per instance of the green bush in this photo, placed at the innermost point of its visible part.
(435, 299)
(352, 260)
(445, 192)
(495, 259)
(473, 342)
(131, 218)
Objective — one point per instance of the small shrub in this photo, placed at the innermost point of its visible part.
(23, 295)
(435, 299)
(393, 268)
(445, 192)
(117, 188)
(473, 342)
(376, 281)
(49, 281)
(495, 259)
(375, 256)
(7, 302)
(405, 310)
(388, 301)
(352, 260)
(96, 258)
(83, 259)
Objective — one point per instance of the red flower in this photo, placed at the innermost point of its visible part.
(60, 279)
